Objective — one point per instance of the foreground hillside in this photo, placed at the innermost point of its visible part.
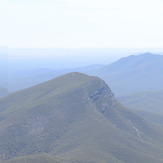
(74, 118)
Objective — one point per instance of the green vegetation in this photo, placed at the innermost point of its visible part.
(74, 119)
(146, 101)
(153, 117)
(147, 104)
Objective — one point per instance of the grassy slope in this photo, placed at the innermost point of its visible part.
(152, 117)
(146, 101)
(75, 117)
(39, 158)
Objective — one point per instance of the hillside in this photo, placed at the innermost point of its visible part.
(133, 74)
(3, 92)
(152, 117)
(145, 101)
(74, 118)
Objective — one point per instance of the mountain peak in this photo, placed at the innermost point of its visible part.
(136, 73)
(146, 54)
(149, 56)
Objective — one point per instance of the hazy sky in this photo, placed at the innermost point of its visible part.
(81, 23)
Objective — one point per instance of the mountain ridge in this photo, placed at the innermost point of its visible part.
(137, 73)
(144, 101)
(133, 74)
(74, 117)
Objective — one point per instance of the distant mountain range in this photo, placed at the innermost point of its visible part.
(18, 79)
(134, 74)
(129, 75)
(74, 118)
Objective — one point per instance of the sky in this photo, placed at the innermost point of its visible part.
(81, 23)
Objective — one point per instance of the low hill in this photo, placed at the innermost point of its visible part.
(152, 117)
(3, 92)
(145, 101)
(74, 118)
